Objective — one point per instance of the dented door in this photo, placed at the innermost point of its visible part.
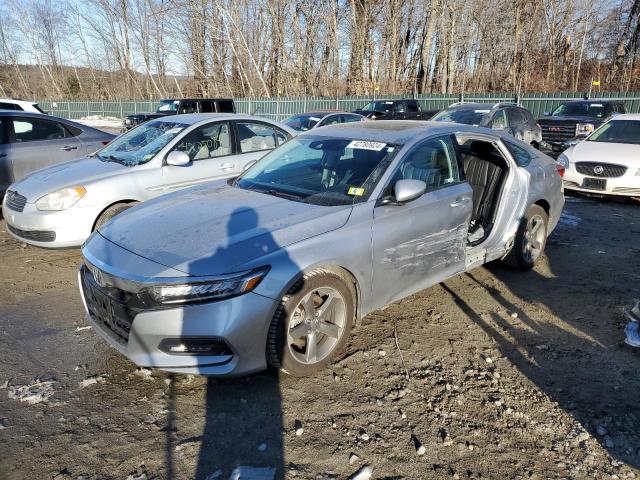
(420, 243)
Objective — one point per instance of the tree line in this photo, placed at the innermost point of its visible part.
(139, 49)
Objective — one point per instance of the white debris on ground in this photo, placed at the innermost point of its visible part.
(144, 373)
(80, 329)
(253, 473)
(365, 473)
(92, 380)
(100, 121)
(35, 392)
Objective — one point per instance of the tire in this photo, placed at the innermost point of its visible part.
(524, 254)
(327, 329)
(111, 212)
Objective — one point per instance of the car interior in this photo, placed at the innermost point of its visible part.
(485, 169)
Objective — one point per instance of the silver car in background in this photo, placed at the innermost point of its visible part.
(321, 118)
(61, 206)
(31, 141)
(277, 265)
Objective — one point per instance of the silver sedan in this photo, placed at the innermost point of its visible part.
(278, 265)
(60, 206)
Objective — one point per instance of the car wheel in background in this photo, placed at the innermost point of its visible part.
(530, 240)
(312, 323)
(111, 212)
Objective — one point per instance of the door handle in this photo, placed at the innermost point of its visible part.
(68, 148)
(459, 202)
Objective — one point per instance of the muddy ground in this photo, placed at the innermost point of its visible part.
(508, 375)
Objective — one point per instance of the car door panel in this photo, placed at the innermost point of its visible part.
(421, 243)
(210, 148)
(28, 152)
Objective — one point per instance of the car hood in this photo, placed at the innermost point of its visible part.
(604, 152)
(213, 230)
(76, 172)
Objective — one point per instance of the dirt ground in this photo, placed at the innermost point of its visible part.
(497, 374)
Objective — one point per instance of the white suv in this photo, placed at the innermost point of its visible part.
(20, 105)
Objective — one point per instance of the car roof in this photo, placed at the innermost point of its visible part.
(18, 113)
(193, 99)
(591, 100)
(628, 116)
(17, 101)
(392, 131)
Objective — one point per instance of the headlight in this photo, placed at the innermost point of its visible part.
(563, 160)
(210, 289)
(585, 128)
(61, 199)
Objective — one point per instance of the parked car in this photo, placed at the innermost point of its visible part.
(31, 141)
(321, 118)
(607, 162)
(61, 206)
(182, 106)
(277, 265)
(404, 109)
(510, 117)
(20, 105)
(573, 120)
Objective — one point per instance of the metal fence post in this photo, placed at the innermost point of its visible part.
(121, 109)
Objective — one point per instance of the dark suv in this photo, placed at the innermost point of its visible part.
(180, 106)
(400, 109)
(574, 120)
(510, 117)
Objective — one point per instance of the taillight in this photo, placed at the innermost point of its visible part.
(105, 142)
(560, 169)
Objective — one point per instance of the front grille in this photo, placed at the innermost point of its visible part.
(33, 235)
(108, 306)
(558, 131)
(602, 170)
(15, 201)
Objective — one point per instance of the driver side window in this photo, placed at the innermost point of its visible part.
(499, 121)
(434, 162)
(208, 141)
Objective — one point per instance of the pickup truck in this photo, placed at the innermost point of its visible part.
(573, 120)
(404, 109)
(180, 106)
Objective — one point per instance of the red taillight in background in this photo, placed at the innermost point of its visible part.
(560, 169)
(105, 142)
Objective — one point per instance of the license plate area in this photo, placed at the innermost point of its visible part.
(101, 304)
(594, 183)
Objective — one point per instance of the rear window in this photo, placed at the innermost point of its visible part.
(35, 129)
(72, 131)
(520, 155)
(226, 106)
(9, 106)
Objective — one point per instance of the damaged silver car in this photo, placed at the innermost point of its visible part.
(276, 266)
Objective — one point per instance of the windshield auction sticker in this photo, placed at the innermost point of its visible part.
(356, 191)
(364, 145)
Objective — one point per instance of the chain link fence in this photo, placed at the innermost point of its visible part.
(280, 108)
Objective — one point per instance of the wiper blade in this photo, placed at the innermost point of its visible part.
(279, 193)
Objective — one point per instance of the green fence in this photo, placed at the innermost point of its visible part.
(282, 107)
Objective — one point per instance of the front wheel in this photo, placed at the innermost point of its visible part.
(312, 324)
(530, 240)
(111, 212)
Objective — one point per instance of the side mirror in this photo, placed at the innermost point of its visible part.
(407, 190)
(249, 165)
(178, 159)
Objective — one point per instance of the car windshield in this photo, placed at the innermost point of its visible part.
(468, 116)
(141, 144)
(381, 106)
(168, 106)
(582, 109)
(303, 122)
(321, 171)
(618, 131)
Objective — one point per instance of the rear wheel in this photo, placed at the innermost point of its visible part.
(530, 240)
(111, 212)
(312, 323)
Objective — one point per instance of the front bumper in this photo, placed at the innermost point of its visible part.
(241, 322)
(627, 185)
(59, 229)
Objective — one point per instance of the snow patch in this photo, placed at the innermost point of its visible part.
(569, 219)
(35, 392)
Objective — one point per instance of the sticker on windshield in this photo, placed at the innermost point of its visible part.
(364, 145)
(596, 105)
(174, 130)
(356, 191)
(315, 119)
(481, 111)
